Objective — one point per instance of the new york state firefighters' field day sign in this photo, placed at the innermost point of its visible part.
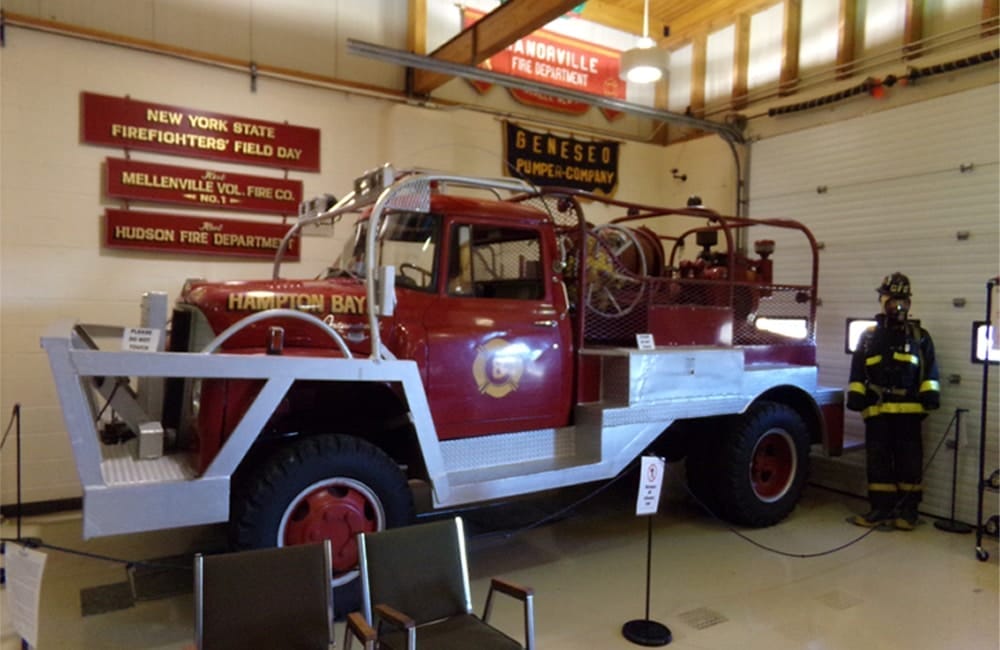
(131, 124)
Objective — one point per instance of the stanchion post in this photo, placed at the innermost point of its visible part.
(644, 631)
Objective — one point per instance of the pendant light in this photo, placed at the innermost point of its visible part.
(644, 63)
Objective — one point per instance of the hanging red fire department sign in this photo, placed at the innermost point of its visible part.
(557, 60)
(130, 124)
(203, 188)
(168, 233)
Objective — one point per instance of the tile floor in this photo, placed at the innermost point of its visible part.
(714, 590)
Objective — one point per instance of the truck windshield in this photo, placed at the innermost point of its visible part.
(407, 240)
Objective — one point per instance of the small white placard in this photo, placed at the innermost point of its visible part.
(645, 341)
(24, 567)
(650, 485)
(141, 339)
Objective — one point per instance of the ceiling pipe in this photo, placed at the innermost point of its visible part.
(728, 132)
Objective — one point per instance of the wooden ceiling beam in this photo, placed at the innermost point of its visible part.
(913, 28)
(991, 8)
(706, 17)
(416, 34)
(790, 45)
(846, 42)
(741, 61)
(489, 35)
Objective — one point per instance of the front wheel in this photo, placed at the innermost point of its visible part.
(763, 464)
(322, 487)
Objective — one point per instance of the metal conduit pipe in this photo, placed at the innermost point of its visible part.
(409, 59)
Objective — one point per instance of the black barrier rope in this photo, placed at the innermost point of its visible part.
(711, 513)
(37, 543)
(15, 416)
(131, 564)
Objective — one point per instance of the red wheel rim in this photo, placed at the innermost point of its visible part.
(336, 509)
(773, 465)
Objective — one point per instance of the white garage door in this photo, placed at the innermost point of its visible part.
(913, 189)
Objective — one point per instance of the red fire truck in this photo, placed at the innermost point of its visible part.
(480, 336)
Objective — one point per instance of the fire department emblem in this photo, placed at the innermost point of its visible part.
(498, 368)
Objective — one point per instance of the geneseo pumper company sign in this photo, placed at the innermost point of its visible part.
(131, 124)
(202, 188)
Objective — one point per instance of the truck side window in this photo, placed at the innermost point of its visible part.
(495, 262)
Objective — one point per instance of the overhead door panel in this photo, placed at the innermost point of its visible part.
(913, 189)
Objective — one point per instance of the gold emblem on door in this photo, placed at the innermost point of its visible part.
(498, 367)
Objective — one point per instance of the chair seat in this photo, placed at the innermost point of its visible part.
(456, 633)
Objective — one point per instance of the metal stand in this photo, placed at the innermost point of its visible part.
(950, 525)
(644, 631)
(981, 553)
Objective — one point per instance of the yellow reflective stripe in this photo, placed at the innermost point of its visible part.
(910, 487)
(873, 361)
(882, 487)
(893, 408)
(930, 384)
(856, 387)
(906, 358)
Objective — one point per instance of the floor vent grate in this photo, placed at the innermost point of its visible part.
(839, 600)
(702, 618)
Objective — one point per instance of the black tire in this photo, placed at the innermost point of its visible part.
(763, 464)
(322, 487)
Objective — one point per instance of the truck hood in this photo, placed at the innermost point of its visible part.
(340, 302)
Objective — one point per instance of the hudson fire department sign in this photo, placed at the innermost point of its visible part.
(130, 124)
(547, 159)
(156, 231)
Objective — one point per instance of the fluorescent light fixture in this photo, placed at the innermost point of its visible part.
(644, 63)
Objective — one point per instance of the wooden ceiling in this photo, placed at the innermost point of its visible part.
(685, 18)
(517, 18)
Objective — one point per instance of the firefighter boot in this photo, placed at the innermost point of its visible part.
(907, 517)
(874, 518)
(880, 515)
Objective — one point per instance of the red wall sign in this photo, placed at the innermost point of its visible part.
(130, 124)
(556, 60)
(143, 181)
(168, 233)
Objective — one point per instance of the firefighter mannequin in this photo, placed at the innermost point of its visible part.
(894, 383)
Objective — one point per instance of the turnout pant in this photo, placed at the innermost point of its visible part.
(895, 456)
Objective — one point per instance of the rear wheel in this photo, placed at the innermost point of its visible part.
(763, 464)
(322, 487)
